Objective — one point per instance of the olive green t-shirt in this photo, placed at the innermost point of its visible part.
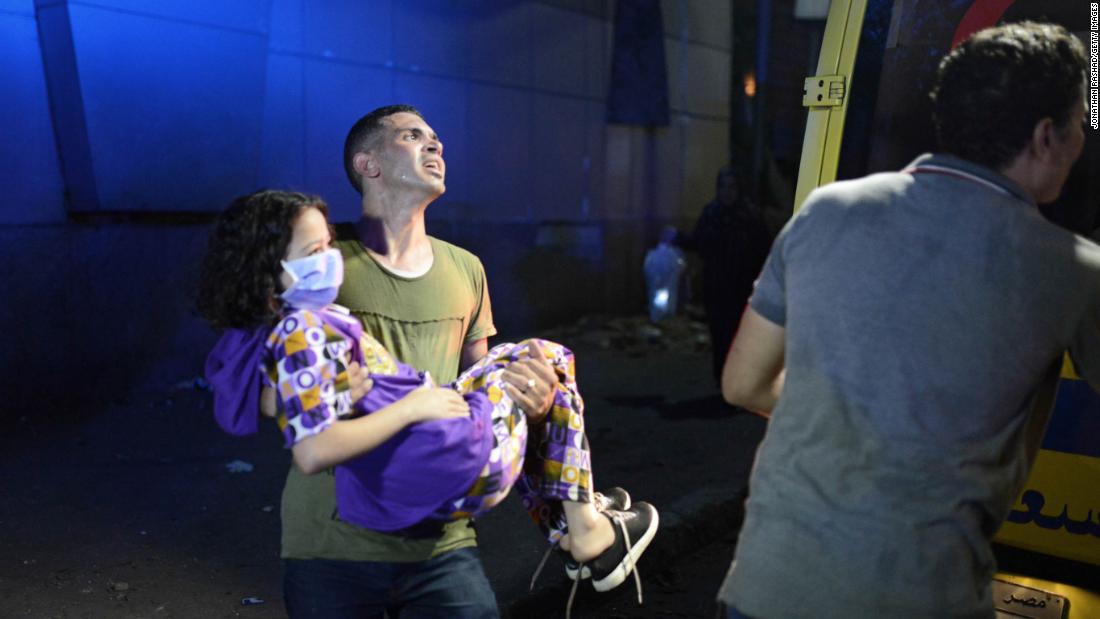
(424, 321)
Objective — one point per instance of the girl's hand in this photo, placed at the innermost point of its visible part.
(358, 380)
(430, 403)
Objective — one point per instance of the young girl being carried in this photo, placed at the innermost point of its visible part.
(408, 455)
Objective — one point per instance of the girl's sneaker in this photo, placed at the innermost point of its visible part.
(612, 499)
(634, 530)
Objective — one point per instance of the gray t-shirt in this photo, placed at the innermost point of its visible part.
(924, 311)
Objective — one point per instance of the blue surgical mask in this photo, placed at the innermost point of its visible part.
(316, 279)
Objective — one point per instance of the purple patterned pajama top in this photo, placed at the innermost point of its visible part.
(409, 477)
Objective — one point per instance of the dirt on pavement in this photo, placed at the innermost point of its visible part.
(145, 509)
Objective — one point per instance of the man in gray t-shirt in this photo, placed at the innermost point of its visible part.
(905, 334)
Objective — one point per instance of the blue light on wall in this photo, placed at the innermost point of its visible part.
(29, 167)
(157, 106)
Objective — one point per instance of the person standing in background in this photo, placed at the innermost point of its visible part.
(732, 240)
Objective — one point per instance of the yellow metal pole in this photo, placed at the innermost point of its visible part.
(825, 124)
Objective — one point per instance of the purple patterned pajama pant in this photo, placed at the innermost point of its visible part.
(548, 462)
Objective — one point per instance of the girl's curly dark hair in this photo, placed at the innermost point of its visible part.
(240, 272)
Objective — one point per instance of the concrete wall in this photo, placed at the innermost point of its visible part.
(122, 116)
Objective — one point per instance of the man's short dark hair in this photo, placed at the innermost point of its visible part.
(364, 133)
(997, 85)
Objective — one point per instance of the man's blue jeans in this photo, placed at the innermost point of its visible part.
(452, 585)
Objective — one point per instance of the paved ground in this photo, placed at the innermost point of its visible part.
(135, 512)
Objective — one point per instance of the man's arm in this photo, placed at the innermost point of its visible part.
(471, 352)
(754, 373)
(1084, 349)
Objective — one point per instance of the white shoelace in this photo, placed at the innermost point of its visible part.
(600, 501)
(631, 567)
(616, 520)
(629, 550)
(542, 562)
(572, 593)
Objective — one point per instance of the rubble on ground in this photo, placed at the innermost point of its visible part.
(634, 335)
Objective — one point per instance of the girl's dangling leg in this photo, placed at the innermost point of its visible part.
(590, 533)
